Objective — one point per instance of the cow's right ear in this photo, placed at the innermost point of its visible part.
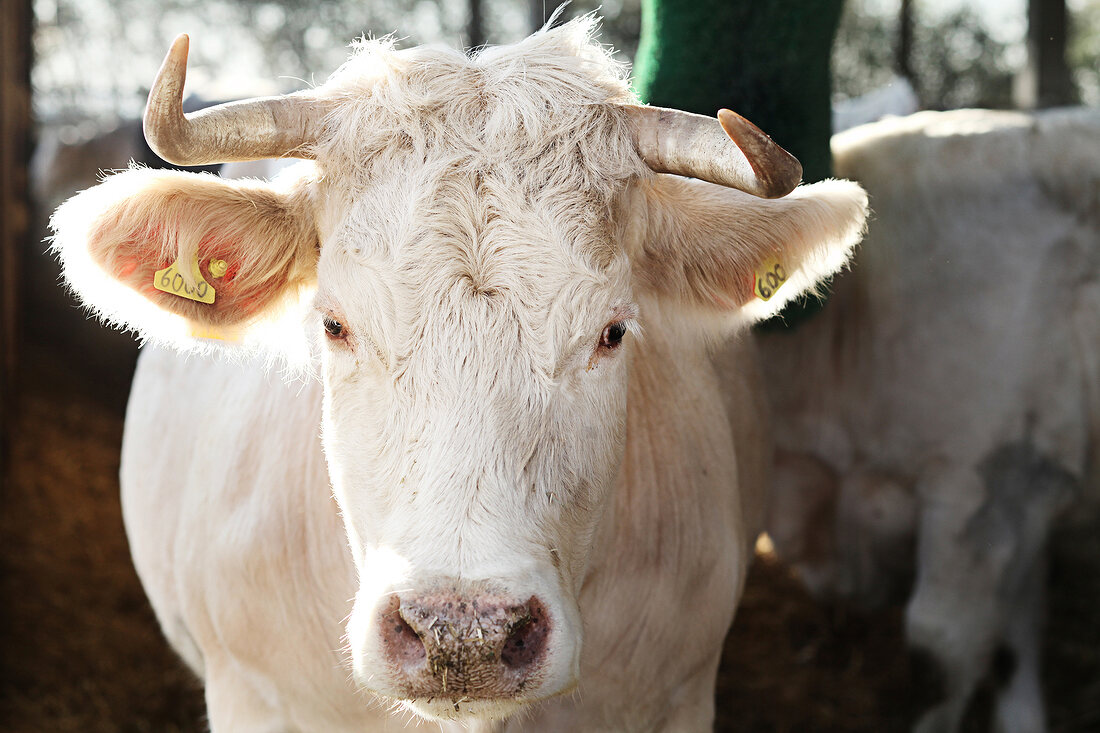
(146, 247)
(731, 258)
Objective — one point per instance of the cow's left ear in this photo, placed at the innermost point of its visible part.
(145, 247)
(721, 252)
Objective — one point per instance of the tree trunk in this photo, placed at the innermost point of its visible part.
(1047, 80)
(15, 212)
(536, 14)
(903, 57)
(475, 27)
(769, 61)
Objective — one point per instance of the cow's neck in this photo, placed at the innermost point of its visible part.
(669, 538)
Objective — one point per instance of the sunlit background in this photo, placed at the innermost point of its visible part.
(93, 56)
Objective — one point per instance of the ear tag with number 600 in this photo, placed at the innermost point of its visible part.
(170, 280)
(770, 275)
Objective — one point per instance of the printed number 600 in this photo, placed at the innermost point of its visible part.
(771, 281)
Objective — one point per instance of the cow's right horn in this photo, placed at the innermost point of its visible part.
(672, 141)
(251, 129)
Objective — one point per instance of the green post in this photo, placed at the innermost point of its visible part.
(769, 60)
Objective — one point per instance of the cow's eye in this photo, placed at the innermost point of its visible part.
(334, 328)
(612, 335)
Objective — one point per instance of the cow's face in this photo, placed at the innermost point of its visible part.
(474, 307)
(475, 327)
(481, 237)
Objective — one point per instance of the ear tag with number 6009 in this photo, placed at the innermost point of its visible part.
(170, 280)
(770, 275)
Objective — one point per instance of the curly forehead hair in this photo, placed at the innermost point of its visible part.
(545, 106)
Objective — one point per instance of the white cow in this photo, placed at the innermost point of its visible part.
(509, 309)
(949, 393)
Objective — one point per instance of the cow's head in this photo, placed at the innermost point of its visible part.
(483, 237)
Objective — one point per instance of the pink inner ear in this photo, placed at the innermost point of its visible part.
(126, 269)
(212, 248)
(132, 254)
(136, 257)
(243, 304)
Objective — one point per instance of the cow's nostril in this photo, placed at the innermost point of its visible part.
(525, 644)
(401, 641)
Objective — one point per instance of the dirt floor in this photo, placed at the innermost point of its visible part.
(82, 652)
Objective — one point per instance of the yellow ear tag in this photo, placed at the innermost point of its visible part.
(170, 280)
(770, 276)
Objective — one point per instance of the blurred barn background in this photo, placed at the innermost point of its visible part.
(81, 651)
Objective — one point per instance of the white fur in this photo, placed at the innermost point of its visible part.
(480, 221)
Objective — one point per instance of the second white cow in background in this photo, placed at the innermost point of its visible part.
(949, 393)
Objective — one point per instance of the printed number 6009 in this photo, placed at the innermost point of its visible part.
(179, 287)
(170, 280)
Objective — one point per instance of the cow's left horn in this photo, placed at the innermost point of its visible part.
(251, 129)
(671, 141)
